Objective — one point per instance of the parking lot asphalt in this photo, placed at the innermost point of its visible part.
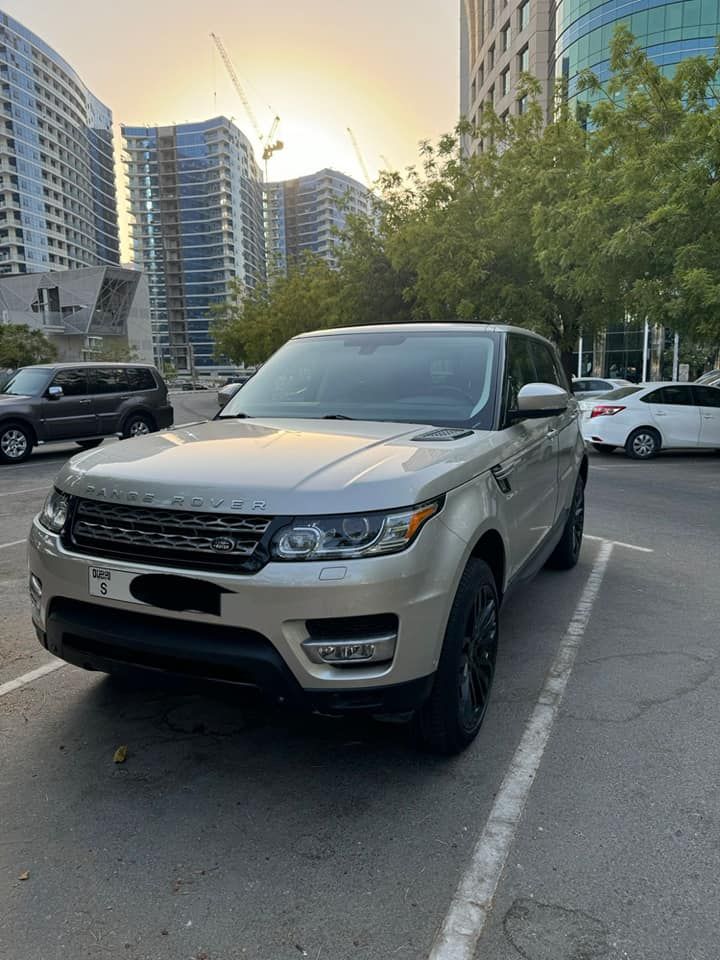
(234, 831)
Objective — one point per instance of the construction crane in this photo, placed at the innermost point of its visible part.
(269, 147)
(361, 161)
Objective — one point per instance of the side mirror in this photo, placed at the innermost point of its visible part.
(54, 393)
(537, 400)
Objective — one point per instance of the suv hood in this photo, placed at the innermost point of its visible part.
(282, 468)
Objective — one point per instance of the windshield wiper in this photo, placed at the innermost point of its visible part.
(336, 416)
(234, 416)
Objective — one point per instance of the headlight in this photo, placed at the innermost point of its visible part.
(55, 512)
(351, 536)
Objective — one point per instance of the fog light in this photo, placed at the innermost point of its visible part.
(379, 649)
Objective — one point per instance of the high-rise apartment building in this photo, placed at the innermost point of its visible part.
(196, 206)
(303, 215)
(58, 205)
(556, 39)
(500, 40)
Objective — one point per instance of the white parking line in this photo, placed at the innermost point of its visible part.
(619, 543)
(13, 543)
(16, 493)
(32, 675)
(472, 903)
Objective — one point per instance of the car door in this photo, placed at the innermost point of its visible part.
(676, 415)
(110, 389)
(70, 415)
(708, 401)
(528, 471)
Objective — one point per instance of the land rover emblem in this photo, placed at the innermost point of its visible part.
(223, 544)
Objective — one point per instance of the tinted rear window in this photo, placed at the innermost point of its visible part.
(140, 378)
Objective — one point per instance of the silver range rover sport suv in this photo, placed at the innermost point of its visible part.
(340, 536)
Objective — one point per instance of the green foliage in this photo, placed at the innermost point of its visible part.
(256, 321)
(20, 346)
(116, 351)
(610, 211)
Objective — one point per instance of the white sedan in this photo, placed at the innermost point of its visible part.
(585, 387)
(647, 418)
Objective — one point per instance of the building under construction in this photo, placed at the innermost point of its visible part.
(196, 205)
(305, 215)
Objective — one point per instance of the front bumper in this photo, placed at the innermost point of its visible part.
(257, 636)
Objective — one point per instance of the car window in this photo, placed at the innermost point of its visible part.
(601, 385)
(545, 368)
(675, 395)
(73, 382)
(140, 378)
(28, 382)
(580, 386)
(520, 368)
(108, 380)
(706, 396)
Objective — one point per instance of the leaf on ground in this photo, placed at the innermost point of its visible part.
(120, 754)
(25, 875)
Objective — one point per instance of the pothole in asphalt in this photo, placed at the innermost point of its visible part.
(543, 931)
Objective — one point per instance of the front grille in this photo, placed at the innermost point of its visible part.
(172, 537)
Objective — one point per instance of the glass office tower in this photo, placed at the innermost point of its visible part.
(58, 205)
(303, 216)
(196, 208)
(669, 32)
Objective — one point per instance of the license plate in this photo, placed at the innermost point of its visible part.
(111, 584)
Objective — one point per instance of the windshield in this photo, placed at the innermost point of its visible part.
(28, 382)
(438, 378)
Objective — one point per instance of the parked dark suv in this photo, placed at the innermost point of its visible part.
(79, 401)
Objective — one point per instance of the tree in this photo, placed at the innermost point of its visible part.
(20, 346)
(645, 231)
(117, 351)
(256, 321)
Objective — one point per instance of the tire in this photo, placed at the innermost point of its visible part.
(89, 444)
(604, 447)
(567, 552)
(16, 443)
(138, 425)
(453, 714)
(643, 444)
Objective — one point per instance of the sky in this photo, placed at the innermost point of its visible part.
(386, 68)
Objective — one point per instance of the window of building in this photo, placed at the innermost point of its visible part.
(492, 13)
(505, 37)
(523, 15)
(481, 75)
(505, 82)
(524, 60)
(491, 94)
(522, 105)
(491, 57)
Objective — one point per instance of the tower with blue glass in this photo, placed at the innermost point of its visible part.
(58, 208)
(196, 207)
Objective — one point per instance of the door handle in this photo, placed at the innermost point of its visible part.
(124, 396)
(551, 433)
(84, 401)
(708, 416)
(659, 413)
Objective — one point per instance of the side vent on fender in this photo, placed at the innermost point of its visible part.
(443, 435)
(502, 477)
